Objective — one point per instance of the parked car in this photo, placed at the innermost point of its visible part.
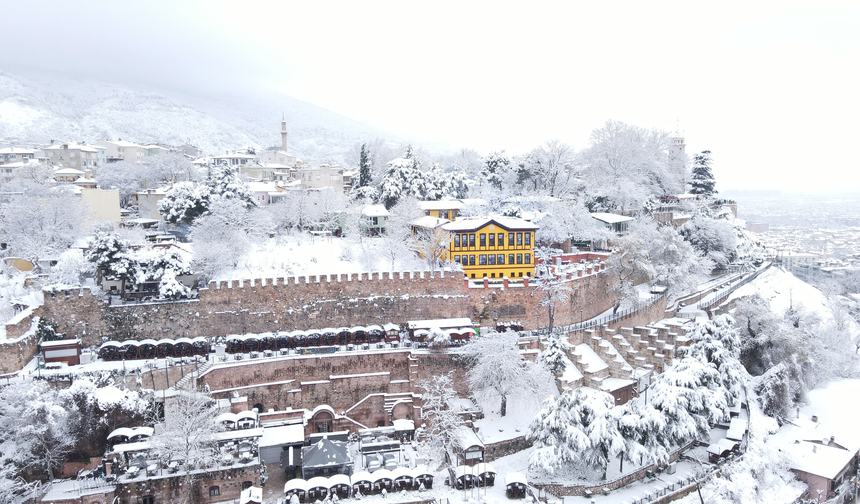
(390, 461)
(373, 462)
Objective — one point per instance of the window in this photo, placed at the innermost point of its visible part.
(510, 239)
(456, 240)
(528, 258)
(519, 239)
(464, 240)
(492, 275)
(492, 240)
(443, 214)
(247, 484)
(528, 238)
(483, 240)
(491, 259)
(482, 259)
(149, 499)
(500, 259)
(510, 259)
(472, 260)
(456, 258)
(465, 260)
(519, 258)
(213, 491)
(501, 239)
(472, 240)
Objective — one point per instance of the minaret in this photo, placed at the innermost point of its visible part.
(284, 133)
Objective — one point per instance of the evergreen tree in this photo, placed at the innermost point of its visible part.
(702, 180)
(364, 167)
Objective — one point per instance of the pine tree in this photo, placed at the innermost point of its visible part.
(702, 180)
(364, 167)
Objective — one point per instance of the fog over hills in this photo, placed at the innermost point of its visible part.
(40, 107)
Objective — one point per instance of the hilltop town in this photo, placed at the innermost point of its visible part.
(212, 327)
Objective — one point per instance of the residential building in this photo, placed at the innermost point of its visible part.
(495, 247)
(376, 218)
(147, 203)
(103, 204)
(16, 155)
(443, 209)
(81, 157)
(190, 150)
(235, 160)
(618, 224)
(123, 151)
(67, 175)
(321, 176)
(154, 150)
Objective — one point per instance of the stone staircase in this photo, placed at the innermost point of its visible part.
(187, 382)
(392, 400)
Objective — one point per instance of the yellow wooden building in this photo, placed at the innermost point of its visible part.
(493, 247)
(443, 209)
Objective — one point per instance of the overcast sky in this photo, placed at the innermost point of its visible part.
(770, 88)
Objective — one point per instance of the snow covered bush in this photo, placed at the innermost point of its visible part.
(438, 338)
(184, 202)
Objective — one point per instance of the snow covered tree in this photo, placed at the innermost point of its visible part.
(701, 179)
(714, 238)
(624, 164)
(458, 183)
(184, 202)
(555, 354)
(497, 369)
(579, 426)
(44, 222)
(167, 168)
(554, 431)
(124, 176)
(436, 183)
(34, 428)
(494, 168)
(364, 173)
(443, 424)
(681, 395)
(402, 178)
(187, 434)
(218, 245)
(109, 254)
(224, 183)
(550, 168)
(653, 253)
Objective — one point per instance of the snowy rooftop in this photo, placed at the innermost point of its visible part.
(429, 222)
(612, 384)
(475, 223)
(375, 211)
(821, 460)
(610, 218)
(284, 434)
(441, 205)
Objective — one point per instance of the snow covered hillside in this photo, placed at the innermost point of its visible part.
(44, 107)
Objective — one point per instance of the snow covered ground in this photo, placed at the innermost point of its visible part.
(782, 290)
(302, 254)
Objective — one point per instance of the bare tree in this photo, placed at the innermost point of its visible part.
(443, 423)
(187, 435)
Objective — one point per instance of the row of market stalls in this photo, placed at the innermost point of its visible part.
(329, 336)
(362, 482)
(479, 475)
(458, 330)
(248, 419)
(152, 349)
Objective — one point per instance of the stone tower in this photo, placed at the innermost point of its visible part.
(678, 157)
(284, 133)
